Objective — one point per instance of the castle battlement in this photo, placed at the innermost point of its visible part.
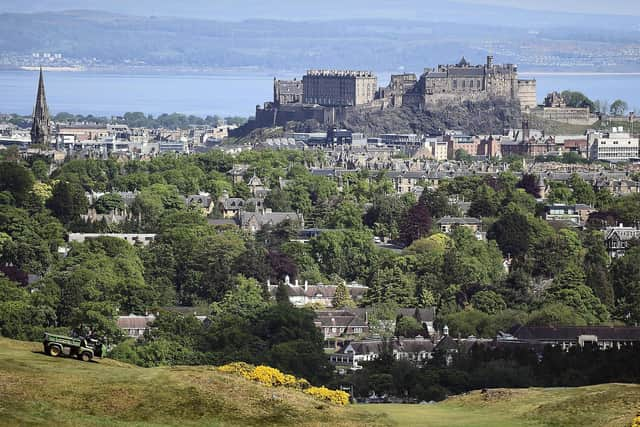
(340, 73)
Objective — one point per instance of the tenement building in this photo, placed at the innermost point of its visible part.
(334, 88)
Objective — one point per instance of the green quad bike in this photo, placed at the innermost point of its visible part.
(84, 349)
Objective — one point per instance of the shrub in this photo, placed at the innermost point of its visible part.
(337, 397)
(272, 377)
(239, 368)
(268, 376)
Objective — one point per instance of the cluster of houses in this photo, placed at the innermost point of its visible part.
(352, 337)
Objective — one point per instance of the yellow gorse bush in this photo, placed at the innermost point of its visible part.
(636, 421)
(272, 377)
(338, 397)
(240, 368)
(266, 375)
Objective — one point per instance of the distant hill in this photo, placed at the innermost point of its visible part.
(40, 390)
(270, 41)
(454, 11)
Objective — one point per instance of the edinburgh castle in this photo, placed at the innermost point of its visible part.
(327, 95)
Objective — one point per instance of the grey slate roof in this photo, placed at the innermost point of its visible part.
(272, 218)
(570, 333)
(448, 220)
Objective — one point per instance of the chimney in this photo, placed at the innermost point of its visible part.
(296, 284)
(306, 285)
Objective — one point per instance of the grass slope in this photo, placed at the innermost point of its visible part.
(36, 389)
(598, 406)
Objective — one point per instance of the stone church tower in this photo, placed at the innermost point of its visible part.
(41, 121)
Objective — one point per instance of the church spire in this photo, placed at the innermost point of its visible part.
(41, 121)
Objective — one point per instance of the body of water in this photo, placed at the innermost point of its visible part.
(113, 94)
(603, 87)
(226, 94)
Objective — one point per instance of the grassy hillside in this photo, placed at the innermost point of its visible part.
(36, 389)
(598, 406)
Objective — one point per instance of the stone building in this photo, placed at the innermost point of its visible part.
(527, 94)
(287, 91)
(398, 86)
(337, 88)
(555, 108)
(463, 81)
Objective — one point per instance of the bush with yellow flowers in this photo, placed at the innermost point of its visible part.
(239, 368)
(338, 397)
(636, 421)
(267, 375)
(272, 377)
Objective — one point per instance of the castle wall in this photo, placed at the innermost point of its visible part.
(527, 94)
(287, 91)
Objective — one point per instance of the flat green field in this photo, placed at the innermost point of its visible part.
(603, 405)
(36, 389)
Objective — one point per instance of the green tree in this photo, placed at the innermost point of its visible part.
(245, 299)
(437, 202)
(484, 203)
(40, 170)
(560, 193)
(16, 180)
(108, 203)
(408, 327)
(582, 191)
(488, 302)
(416, 225)
(350, 254)
(68, 202)
(342, 297)
(382, 318)
(278, 200)
(596, 263)
(391, 284)
(625, 272)
(346, 215)
(577, 100)
(618, 107)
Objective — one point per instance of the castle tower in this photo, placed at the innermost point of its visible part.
(489, 62)
(41, 120)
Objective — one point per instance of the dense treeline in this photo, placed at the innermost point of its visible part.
(526, 272)
(136, 119)
(485, 367)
